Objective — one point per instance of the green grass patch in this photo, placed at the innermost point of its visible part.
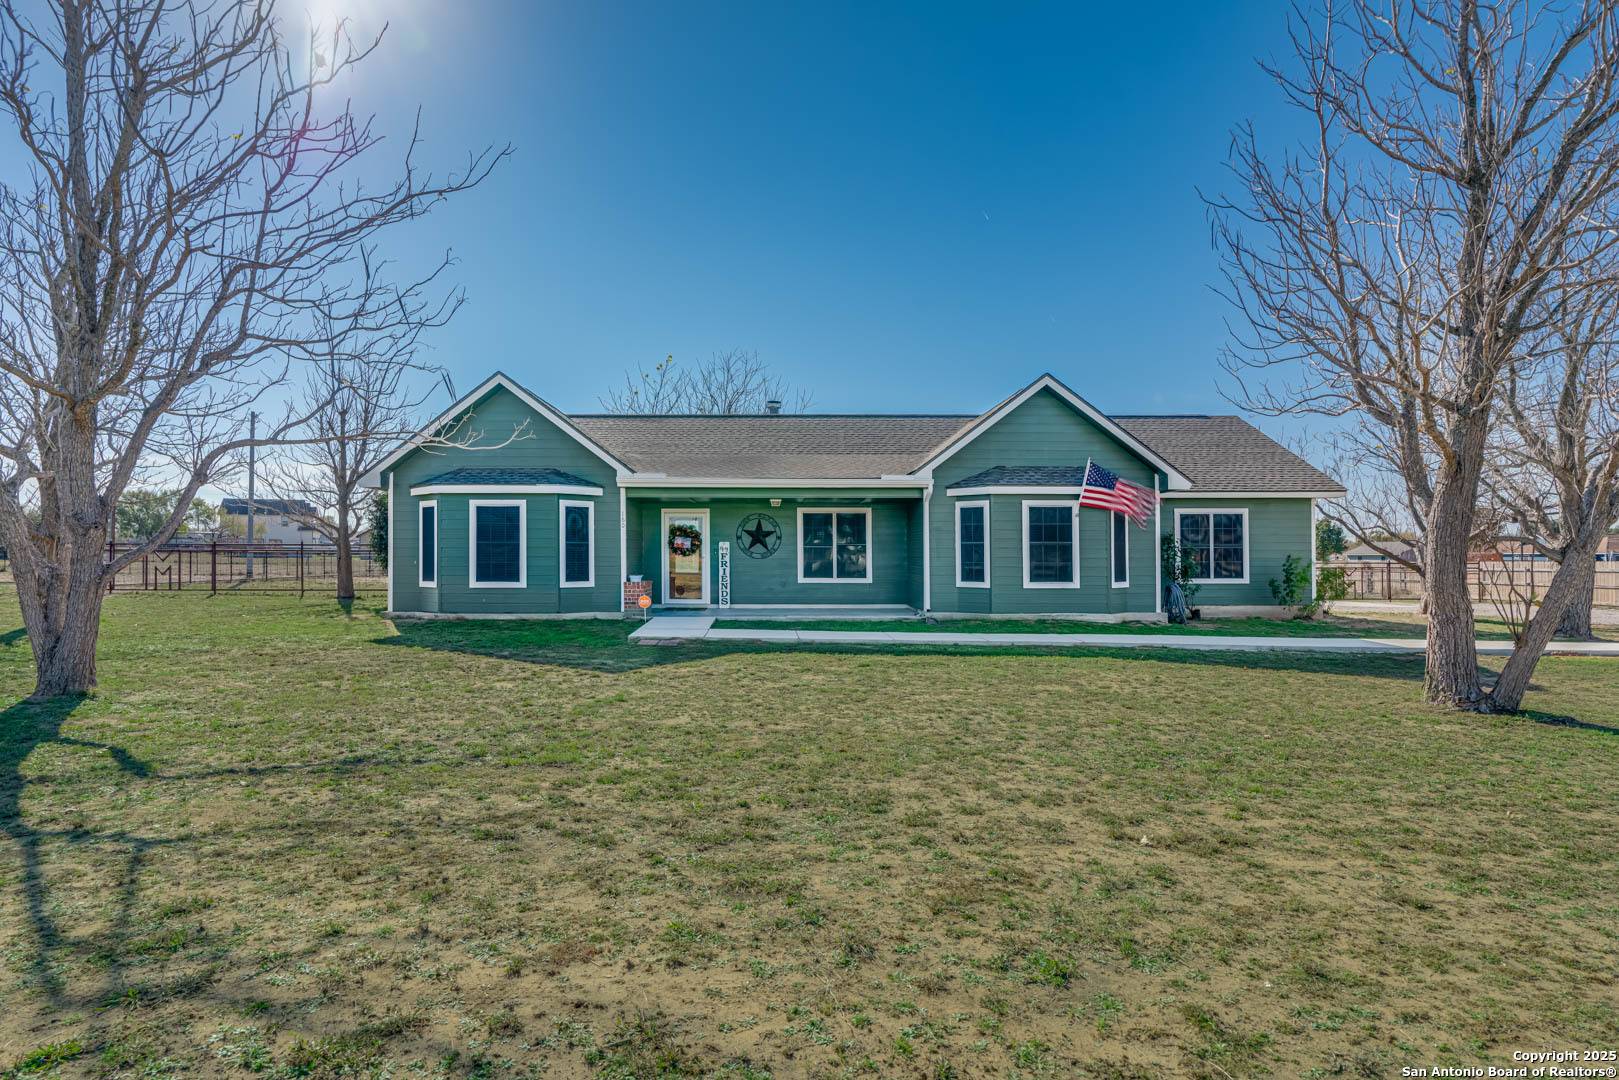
(287, 839)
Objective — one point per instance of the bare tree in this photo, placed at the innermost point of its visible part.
(190, 226)
(1460, 176)
(1554, 463)
(362, 407)
(736, 381)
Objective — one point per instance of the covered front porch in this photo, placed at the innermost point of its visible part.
(777, 553)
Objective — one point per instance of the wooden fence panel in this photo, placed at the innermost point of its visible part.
(1487, 582)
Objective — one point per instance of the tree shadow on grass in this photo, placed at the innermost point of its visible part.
(1558, 720)
(604, 646)
(24, 727)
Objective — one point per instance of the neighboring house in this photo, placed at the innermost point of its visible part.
(1366, 553)
(1608, 550)
(1521, 551)
(275, 521)
(947, 514)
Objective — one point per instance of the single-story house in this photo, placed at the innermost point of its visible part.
(504, 506)
(1402, 550)
(275, 521)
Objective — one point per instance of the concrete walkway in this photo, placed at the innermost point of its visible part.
(688, 628)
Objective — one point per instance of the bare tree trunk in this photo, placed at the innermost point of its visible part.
(1576, 621)
(1572, 580)
(1451, 678)
(59, 584)
(65, 655)
(61, 610)
(345, 553)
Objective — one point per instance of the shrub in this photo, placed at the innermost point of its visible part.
(1293, 591)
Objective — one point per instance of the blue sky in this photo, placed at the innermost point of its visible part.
(910, 210)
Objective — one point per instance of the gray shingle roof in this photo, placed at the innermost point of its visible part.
(1217, 453)
(1226, 453)
(508, 477)
(1026, 476)
(786, 447)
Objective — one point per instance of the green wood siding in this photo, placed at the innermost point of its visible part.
(544, 445)
(774, 580)
(1045, 430)
(1277, 528)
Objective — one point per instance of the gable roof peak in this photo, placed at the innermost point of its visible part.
(1047, 381)
(502, 380)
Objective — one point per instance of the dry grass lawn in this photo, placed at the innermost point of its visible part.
(288, 840)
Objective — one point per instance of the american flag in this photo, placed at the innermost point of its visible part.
(1106, 491)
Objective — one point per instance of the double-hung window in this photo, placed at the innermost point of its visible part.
(834, 545)
(1051, 544)
(499, 543)
(972, 545)
(427, 536)
(1217, 542)
(577, 544)
(1121, 551)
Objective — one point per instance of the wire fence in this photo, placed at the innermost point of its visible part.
(225, 567)
(1488, 582)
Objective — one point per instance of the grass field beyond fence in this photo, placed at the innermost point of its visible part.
(289, 840)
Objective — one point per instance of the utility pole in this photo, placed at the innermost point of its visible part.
(252, 461)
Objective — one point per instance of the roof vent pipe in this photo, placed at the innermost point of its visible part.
(773, 407)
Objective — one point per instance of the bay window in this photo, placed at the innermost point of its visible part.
(577, 544)
(499, 542)
(1051, 544)
(972, 545)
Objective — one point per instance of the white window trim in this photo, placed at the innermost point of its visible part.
(472, 544)
(871, 546)
(562, 543)
(421, 509)
(960, 506)
(1073, 509)
(1246, 541)
(1113, 554)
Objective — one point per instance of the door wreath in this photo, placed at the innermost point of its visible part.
(685, 539)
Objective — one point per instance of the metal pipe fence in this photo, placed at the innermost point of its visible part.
(227, 567)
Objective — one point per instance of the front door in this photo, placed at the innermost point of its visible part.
(685, 553)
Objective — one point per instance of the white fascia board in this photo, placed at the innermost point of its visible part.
(503, 489)
(1177, 480)
(500, 379)
(1206, 494)
(1028, 489)
(649, 480)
